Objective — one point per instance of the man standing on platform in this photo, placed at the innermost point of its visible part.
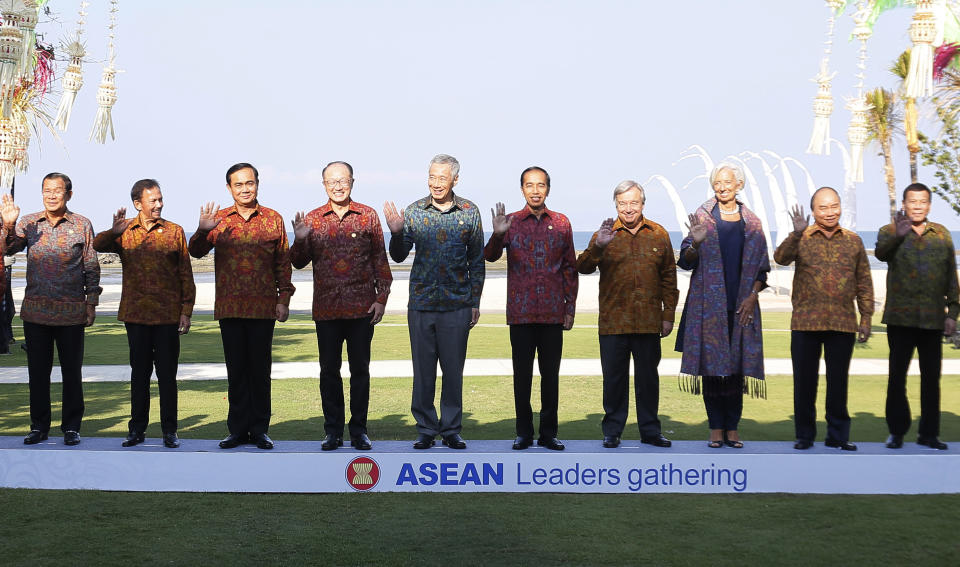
(445, 285)
(921, 307)
(541, 299)
(253, 289)
(831, 271)
(63, 290)
(351, 282)
(638, 302)
(156, 304)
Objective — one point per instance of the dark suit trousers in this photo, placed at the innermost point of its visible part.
(615, 352)
(358, 333)
(40, 340)
(929, 346)
(153, 345)
(805, 349)
(545, 342)
(438, 336)
(247, 345)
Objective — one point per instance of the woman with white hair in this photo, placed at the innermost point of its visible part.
(720, 331)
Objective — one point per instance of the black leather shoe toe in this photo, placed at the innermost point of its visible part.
(837, 444)
(71, 438)
(932, 442)
(894, 441)
(35, 436)
(551, 443)
(521, 443)
(611, 441)
(133, 439)
(803, 444)
(454, 441)
(233, 440)
(331, 442)
(262, 441)
(424, 441)
(361, 442)
(170, 440)
(656, 440)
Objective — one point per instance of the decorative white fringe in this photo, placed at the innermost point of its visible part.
(820, 138)
(72, 81)
(28, 55)
(7, 173)
(8, 79)
(856, 163)
(919, 81)
(101, 125)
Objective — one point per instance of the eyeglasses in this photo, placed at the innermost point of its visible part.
(53, 192)
(335, 183)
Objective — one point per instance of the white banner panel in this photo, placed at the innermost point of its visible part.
(687, 467)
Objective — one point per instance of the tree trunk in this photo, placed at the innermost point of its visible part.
(888, 174)
(913, 167)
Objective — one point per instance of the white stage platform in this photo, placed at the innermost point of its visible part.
(485, 466)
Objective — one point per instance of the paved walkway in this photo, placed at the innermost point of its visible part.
(404, 369)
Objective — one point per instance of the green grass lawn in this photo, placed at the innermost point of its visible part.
(105, 528)
(296, 340)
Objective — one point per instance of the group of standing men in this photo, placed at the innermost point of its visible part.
(344, 241)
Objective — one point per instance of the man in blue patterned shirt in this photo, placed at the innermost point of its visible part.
(445, 285)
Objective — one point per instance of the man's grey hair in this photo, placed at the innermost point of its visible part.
(734, 168)
(444, 159)
(627, 185)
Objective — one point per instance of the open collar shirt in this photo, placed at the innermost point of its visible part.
(350, 268)
(63, 275)
(831, 272)
(638, 279)
(448, 270)
(252, 263)
(542, 276)
(921, 276)
(158, 283)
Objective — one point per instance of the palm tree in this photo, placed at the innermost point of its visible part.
(884, 119)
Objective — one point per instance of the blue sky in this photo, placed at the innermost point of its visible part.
(595, 92)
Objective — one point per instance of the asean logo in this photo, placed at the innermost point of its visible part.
(363, 473)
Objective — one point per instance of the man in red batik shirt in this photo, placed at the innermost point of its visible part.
(253, 290)
(351, 282)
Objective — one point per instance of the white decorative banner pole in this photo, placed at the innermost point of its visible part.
(10, 46)
(107, 93)
(923, 33)
(857, 133)
(28, 25)
(73, 77)
(823, 103)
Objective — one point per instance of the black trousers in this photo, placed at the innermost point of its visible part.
(153, 346)
(69, 341)
(805, 348)
(615, 352)
(546, 343)
(358, 333)
(247, 345)
(929, 346)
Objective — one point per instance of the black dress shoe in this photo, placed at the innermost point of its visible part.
(611, 441)
(35, 436)
(803, 444)
(551, 443)
(894, 441)
(658, 441)
(424, 441)
(454, 441)
(361, 442)
(331, 442)
(170, 440)
(521, 443)
(845, 445)
(932, 442)
(133, 439)
(71, 438)
(233, 440)
(262, 441)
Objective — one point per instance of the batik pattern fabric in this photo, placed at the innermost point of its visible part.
(542, 279)
(63, 275)
(158, 283)
(251, 261)
(350, 268)
(921, 277)
(831, 272)
(638, 279)
(448, 270)
(709, 348)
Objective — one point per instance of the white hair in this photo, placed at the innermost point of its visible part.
(627, 185)
(444, 159)
(734, 168)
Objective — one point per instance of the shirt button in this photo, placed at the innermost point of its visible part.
(549, 227)
(461, 222)
(353, 235)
